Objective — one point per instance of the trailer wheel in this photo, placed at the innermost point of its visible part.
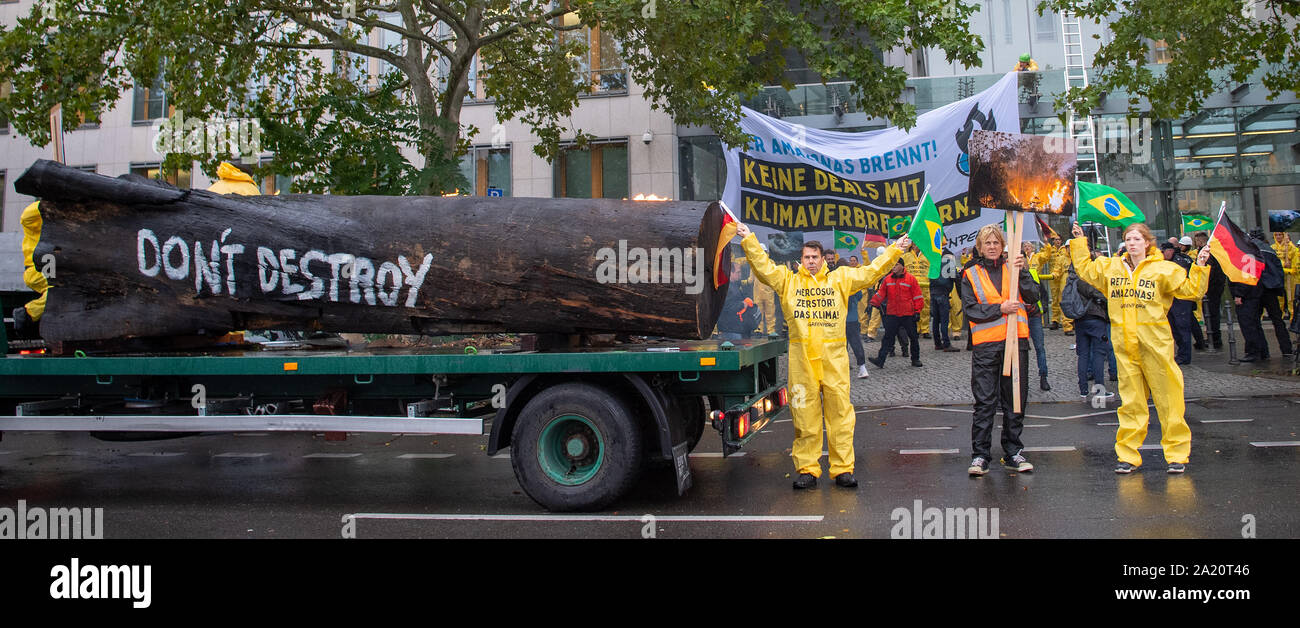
(576, 447)
(693, 420)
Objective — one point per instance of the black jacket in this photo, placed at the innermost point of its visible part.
(1096, 300)
(978, 312)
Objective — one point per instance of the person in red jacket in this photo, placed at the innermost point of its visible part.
(900, 295)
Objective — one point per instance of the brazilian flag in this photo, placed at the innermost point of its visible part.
(898, 226)
(846, 240)
(1196, 222)
(927, 233)
(1106, 205)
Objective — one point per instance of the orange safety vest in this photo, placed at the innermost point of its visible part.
(987, 293)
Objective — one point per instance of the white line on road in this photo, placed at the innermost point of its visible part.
(1226, 420)
(968, 411)
(716, 454)
(782, 420)
(580, 518)
(331, 455)
(907, 452)
(1149, 448)
(1277, 443)
(240, 455)
(7, 452)
(157, 454)
(66, 453)
(1037, 425)
(501, 456)
(1114, 424)
(252, 433)
(431, 456)
(1051, 448)
(941, 427)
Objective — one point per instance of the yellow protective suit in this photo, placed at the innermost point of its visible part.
(232, 180)
(919, 267)
(1139, 301)
(954, 316)
(815, 308)
(31, 223)
(1289, 255)
(1060, 264)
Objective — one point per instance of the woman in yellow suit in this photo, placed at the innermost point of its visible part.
(815, 304)
(1140, 286)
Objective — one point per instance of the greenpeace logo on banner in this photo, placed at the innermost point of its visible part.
(794, 184)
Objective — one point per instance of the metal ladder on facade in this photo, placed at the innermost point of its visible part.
(1081, 128)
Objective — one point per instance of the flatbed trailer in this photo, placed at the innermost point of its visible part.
(581, 423)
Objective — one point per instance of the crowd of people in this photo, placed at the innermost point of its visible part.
(1135, 318)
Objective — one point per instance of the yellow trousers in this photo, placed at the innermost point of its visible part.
(873, 325)
(954, 315)
(1058, 286)
(923, 326)
(1287, 303)
(1146, 367)
(817, 387)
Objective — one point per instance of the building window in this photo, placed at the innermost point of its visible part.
(703, 168)
(1006, 21)
(177, 177)
(149, 104)
(92, 168)
(600, 171)
(1045, 27)
(488, 171)
(5, 88)
(273, 184)
(603, 63)
(1159, 52)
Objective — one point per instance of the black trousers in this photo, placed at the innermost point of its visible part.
(940, 308)
(992, 392)
(1251, 310)
(1180, 323)
(894, 325)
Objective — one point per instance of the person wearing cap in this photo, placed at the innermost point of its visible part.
(1026, 63)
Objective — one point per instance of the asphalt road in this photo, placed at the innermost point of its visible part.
(1244, 457)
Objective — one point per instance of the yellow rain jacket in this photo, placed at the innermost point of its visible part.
(1289, 255)
(815, 309)
(919, 267)
(31, 223)
(232, 180)
(1138, 304)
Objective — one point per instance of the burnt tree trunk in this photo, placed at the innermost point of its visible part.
(137, 259)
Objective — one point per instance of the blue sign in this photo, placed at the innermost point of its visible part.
(495, 192)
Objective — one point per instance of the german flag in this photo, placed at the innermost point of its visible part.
(1238, 257)
(723, 275)
(1044, 230)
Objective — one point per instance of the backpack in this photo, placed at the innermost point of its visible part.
(1272, 277)
(1073, 305)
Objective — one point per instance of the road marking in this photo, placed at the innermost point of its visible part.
(715, 454)
(331, 455)
(240, 455)
(942, 427)
(1050, 448)
(1115, 424)
(1037, 425)
(782, 420)
(66, 453)
(252, 433)
(431, 456)
(968, 411)
(907, 452)
(501, 456)
(1149, 447)
(7, 452)
(637, 518)
(1226, 420)
(1277, 443)
(157, 454)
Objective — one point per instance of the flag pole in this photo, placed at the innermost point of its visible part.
(728, 210)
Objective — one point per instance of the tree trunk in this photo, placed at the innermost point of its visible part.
(136, 258)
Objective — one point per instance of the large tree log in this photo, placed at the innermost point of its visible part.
(136, 258)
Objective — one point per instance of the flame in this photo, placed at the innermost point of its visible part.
(1057, 198)
(649, 197)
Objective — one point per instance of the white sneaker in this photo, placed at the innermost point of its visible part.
(862, 372)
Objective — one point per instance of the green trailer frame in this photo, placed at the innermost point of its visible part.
(591, 417)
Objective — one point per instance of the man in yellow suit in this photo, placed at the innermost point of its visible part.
(918, 266)
(815, 304)
(1289, 254)
(28, 316)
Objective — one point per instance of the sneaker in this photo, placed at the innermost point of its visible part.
(862, 371)
(1069, 333)
(846, 480)
(1124, 468)
(806, 480)
(880, 364)
(1018, 463)
(1177, 467)
(978, 466)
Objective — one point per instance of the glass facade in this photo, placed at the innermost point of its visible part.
(487, 169)
(600, 171)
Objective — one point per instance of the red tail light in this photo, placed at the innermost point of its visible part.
(782, 397)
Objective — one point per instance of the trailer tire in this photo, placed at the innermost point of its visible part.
(692, 409)
(576, 447)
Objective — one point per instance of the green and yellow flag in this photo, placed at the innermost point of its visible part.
(898, 226)
(1106, 205)
(846, 240)
(1196, 222)
(927, 233)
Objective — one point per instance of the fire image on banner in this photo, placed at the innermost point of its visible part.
(1029, 173)
(793, 183)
